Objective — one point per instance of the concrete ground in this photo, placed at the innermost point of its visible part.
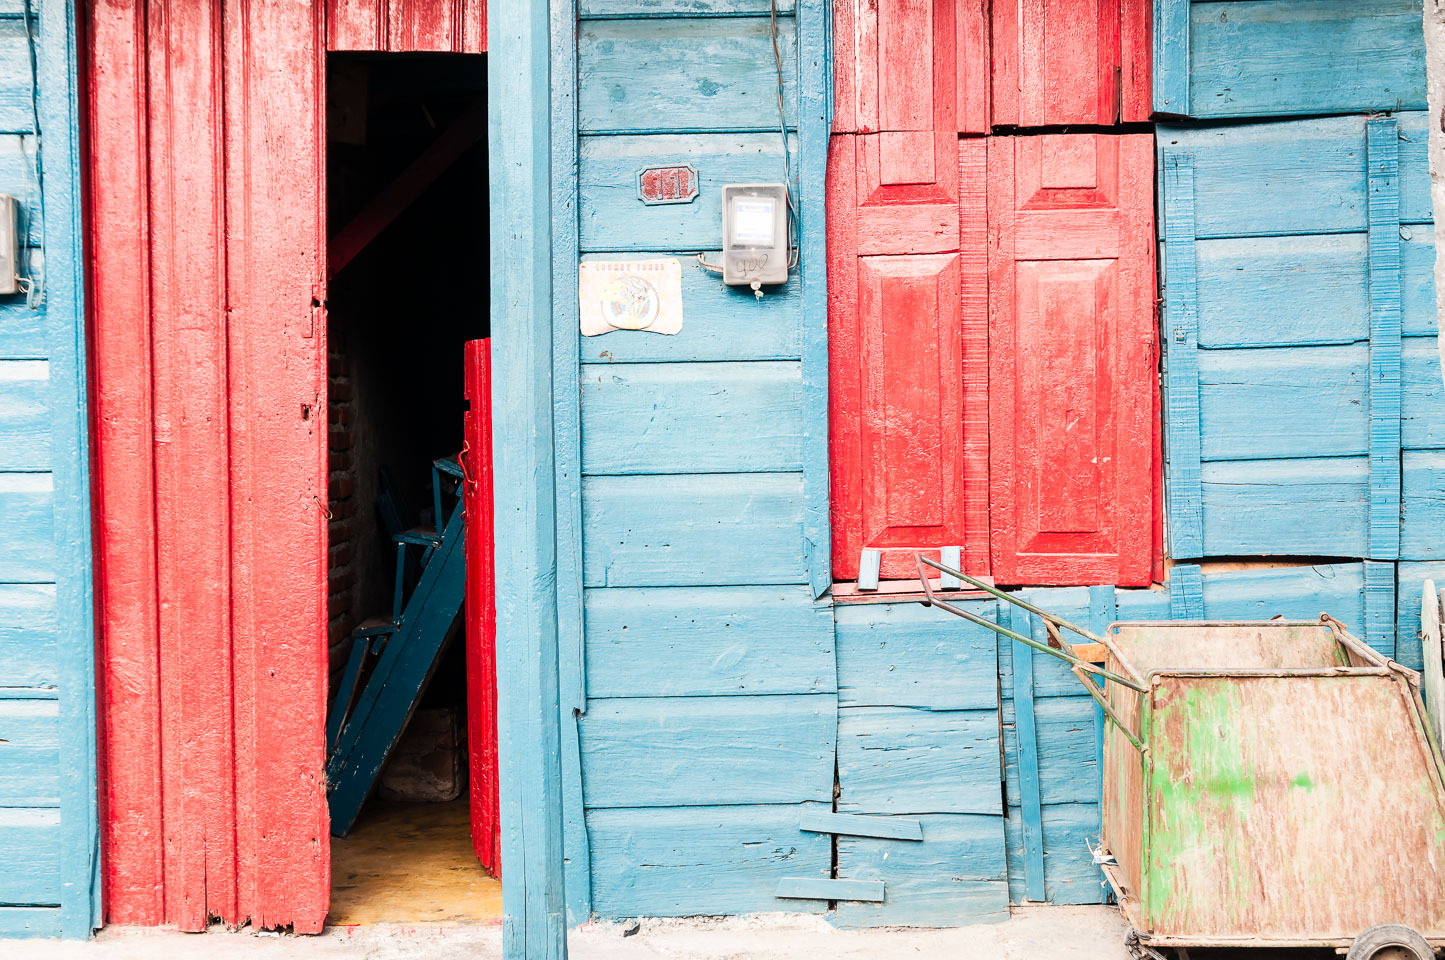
(1034, 933)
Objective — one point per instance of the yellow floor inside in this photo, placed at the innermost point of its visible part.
(411, 863)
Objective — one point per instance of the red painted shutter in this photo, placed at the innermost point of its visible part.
(407, 26)
(910, 66)
(1070, 61)
(908, 432)
(1071, 290)
(481, 610)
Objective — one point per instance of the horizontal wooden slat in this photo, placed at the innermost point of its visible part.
(1295, 593)
(1070, 875)
(23, 331)
(1313, 507)
(24, 415)
(719, 322)
(29, 856)
(1422, 400)
(649, 76)
(897, 760)
(704, 530)
(29, 922)
(27, 634)
(27, 538)
(1296, 57)
(859, 825)
(908, 655)
(690, 861)
(1422, 505)
(699, 641)
(958, 875)
(703, 751)
(808, 888)
(1293, 177)
(17, 109)
(29, 752)
(1064, 730)
(637, 9)
(1277, 402)
(688, 417)
(1276, 291)
(610, 215)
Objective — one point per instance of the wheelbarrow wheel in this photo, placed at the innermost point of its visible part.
(1390, 941)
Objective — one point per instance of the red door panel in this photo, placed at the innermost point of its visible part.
(907, 348)
(1071, 350)
(910, 66)
(481, 610)
(1070, 61)
(907, 192)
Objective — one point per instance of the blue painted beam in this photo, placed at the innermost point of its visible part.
(1180, 337)
(856, 825)
(1382, 141)
(808, 888)
(519, 79)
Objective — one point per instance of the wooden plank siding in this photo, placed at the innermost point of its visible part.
(1287, 57)
(709, 718)
(49, 829)
(1301, 370)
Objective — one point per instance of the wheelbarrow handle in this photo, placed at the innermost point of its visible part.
(1078, 665)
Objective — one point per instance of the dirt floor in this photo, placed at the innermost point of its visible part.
(1054, 933)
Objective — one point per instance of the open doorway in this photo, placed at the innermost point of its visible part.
(406, 164)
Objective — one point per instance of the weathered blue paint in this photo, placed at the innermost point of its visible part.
(1287, 57)
(1378, 629)
(1026, 786)
(1293, 370)
(807, 888)
(858, 825)
(1383, 157)
(1186, 592)
(566, 429)
(702, 860)
(520, 88)
(49, 835)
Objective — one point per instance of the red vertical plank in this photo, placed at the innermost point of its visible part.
(123, 486)
(356, 25)
(481, 611)
(407, 26)
(1070, 61)
(192, 513)
(275, 192)
(844, 371)
(973, 314)
(897, 66)
(1071, 347)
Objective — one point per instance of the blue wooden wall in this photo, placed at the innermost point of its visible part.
(49, 856)
(702, 692)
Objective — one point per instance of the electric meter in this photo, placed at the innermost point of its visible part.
(9, 246)
(755, 234)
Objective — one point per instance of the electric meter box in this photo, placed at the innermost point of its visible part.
(755, 234)
(9, 246)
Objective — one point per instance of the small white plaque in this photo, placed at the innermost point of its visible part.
(630, 295)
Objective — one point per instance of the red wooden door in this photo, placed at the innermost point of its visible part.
(210, 359)
(910, 66)
(1070, 61)
(1071, 358)
(907, 348)
(481, 610)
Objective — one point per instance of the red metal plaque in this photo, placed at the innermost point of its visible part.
(1071, 359)
(667, 184)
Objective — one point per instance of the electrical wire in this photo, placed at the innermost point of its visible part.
(783, 130)
(34, 286)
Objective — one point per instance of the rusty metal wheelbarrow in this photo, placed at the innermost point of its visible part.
(1270, 784)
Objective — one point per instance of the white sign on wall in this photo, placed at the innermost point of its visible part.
(630, 295)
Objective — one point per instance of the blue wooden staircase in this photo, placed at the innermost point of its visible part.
(396, 655)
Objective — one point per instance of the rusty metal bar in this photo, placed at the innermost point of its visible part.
(1103, 703)
(1074, 662)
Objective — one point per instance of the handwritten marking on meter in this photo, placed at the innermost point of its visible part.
(755, 234)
